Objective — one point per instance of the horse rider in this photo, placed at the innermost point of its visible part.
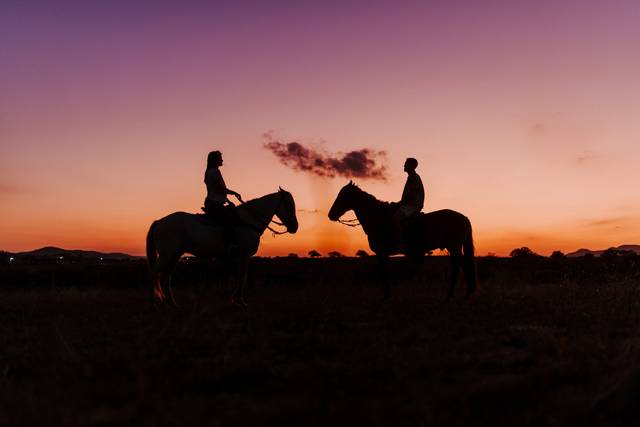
(411, 202)
(216, 205)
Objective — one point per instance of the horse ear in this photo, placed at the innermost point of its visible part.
(280, 188)
(350, 182)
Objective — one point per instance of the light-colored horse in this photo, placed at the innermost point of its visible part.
(178, 233)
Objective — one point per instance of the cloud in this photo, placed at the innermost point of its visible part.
(614, 222)
(363, 163)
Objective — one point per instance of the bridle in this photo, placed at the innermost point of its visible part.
(267, 220)
(353, 222)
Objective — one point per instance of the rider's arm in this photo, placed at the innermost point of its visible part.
(219, 181)
(233, 193)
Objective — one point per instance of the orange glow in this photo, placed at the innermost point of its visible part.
(523, 119)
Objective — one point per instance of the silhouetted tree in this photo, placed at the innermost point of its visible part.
(522, 252)
(292, 255)
(335, 254)
(314, 254)
(558, 255)
(362, 253)
(611, 253)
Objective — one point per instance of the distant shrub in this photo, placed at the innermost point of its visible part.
(558, 255)
(292, 255)
(335, 254)
(613, 253)
(522, 252)
(362, 253)
(314, 254)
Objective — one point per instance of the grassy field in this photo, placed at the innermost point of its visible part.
(317, 345)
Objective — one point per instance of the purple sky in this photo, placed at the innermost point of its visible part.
(523, 115)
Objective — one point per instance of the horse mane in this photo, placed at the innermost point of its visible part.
(370, 198)
(257, 199)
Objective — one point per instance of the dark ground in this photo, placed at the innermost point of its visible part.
(543, 343)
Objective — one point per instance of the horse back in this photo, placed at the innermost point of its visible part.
(442, 216)
(439, 229)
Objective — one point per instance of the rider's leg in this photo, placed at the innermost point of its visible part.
(398, 222)
(214, 210)
(231, 218)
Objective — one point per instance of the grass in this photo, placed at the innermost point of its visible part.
(317, 346)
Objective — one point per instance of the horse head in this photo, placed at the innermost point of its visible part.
(343, 203)
(286, 211)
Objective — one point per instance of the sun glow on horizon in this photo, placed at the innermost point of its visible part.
(523, 116)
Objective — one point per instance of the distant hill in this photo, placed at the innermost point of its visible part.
(53, 252)
(582, 252)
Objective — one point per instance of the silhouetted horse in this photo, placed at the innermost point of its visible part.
(180, 232)
(443, 229)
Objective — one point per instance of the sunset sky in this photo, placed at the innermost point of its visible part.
(524, 115)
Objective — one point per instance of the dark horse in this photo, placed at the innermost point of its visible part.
(443, 229)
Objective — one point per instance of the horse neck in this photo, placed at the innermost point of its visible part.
(367, 209)
(260, 211)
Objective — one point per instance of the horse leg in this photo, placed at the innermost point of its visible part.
(383, 263)
(154, 283)
(455, 270)
(242, 265)
(166, 279)
(469, 264)
(157, 295)
(414, 261)
(162, 277)
(469, 268)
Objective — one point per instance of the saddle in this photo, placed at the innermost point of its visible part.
(409, 229)
(225, 216)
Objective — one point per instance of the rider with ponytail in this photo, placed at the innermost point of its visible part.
(217, 205)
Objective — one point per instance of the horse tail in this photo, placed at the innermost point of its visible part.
(152, 253)
(152, 257)
(469, 260)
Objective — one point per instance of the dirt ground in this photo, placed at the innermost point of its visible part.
(321, 350)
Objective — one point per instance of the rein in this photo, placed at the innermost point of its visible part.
(258, 215)
(354, 222)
